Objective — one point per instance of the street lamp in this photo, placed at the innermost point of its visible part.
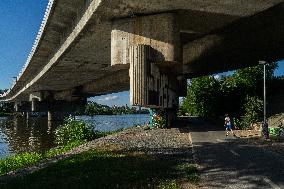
(264, 63)
(264, 125)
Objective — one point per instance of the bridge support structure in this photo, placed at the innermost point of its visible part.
(152, 47)
(45, 104)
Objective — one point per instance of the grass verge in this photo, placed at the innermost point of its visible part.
(106, 169)
(19, 161)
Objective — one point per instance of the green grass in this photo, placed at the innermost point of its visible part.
(102, 169)
(192, 174)
(26, 159)
(19, 161)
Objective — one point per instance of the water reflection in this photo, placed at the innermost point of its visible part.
(18, 134)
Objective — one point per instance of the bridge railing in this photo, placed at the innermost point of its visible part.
(79, 14)
(35, 44)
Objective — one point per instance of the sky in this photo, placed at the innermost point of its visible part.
(19, 23)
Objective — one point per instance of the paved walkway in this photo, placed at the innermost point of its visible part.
(232, 163)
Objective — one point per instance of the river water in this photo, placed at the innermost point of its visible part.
(19, 135)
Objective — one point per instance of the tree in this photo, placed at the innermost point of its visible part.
(201, 99)
(236, 94)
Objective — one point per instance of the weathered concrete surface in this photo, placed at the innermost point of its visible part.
(242, 43)
(73, 50)
(160, 31)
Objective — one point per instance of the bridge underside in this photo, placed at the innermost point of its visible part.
(88, 47)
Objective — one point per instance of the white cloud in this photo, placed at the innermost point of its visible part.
(108, 98)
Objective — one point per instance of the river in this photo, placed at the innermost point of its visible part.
(19, 135)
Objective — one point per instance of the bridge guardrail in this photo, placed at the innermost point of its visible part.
(79, 14)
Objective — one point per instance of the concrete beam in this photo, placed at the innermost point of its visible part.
(112, 83)
(241, 44)
(160, 31)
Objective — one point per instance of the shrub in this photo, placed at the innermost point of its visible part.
(253, 109)
(159, 120)
(73, 131)
(168, 184)
(192, 174)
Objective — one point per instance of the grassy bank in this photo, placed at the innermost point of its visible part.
(26, 159)
(107, 166)
(109, 169)
(70, 135)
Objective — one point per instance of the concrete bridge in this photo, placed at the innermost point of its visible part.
(92, 47)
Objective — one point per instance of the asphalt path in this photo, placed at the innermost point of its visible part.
(229, 162)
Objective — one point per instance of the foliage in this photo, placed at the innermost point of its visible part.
(168, 184)
(73, 131)
(252, 111)
(93, 108)
(18, 161)
(60, 150)
(237, 123)
(201, 98)
(159, 120)
(238, 94)
(251, 78)
(192, 174)
(106, 169)
(6, 108)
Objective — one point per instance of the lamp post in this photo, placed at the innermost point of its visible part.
(264, 125)
(264, 89)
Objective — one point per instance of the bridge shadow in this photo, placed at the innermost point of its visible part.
(232, 162)
(235, 163)
(196, 124)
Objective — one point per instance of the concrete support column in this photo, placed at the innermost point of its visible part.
(34, 102)
(17, 106)
(27, 115)
(50, 115)
(151, 45)
(151, 86)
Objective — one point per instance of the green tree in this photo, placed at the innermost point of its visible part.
(252, 111)
(236, 94)
(201, 99)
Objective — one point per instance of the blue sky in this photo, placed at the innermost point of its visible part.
(19, 23)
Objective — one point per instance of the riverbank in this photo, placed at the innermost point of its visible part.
(133, 158)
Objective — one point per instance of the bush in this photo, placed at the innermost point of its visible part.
(253, 109)
(73, 131)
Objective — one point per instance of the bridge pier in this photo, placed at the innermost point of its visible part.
(58, 110)
(17, 106)
(152, 47)
(152, 86)
(54, 109)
